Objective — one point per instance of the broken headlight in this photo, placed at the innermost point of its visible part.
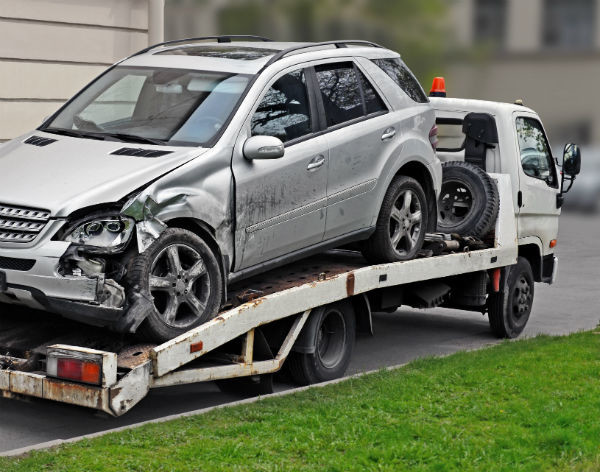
(106, 234)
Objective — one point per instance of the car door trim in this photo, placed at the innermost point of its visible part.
(288, 215)
(351, 192)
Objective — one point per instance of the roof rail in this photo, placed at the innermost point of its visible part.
(338, 44)
(219, 39)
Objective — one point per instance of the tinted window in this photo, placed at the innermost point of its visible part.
(536, 156)
(373, 101)
(284, 112)
(396, 69)
(340, 91)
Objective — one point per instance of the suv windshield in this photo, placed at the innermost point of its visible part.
(174, 106)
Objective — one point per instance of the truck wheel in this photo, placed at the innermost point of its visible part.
(333, 331)
(182, 277)
(401, 224)
(509, 310)
(468, 202)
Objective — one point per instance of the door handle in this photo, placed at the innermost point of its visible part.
(316, 162)
(388, 134)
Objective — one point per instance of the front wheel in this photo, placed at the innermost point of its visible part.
(182, 277)
(401, 224)
(509, 310)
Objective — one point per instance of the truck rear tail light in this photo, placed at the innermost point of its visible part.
(433, 137)
(81, 365)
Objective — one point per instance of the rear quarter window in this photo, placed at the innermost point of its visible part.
(403, 77)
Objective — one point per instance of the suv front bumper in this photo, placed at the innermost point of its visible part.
(43, 287)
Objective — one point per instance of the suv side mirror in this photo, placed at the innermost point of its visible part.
(571, 160)
(263, 147)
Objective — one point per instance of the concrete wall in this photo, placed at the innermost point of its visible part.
(49, 49)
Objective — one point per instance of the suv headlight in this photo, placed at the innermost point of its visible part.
(103, 234)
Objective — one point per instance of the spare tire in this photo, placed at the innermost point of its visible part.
(468, 202)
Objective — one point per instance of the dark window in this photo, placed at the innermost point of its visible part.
(284, 112)
(341, 92)
(569, 24)
(373, 101)
(398, 71)
(346, 93)
(490, 22)
(536, 156)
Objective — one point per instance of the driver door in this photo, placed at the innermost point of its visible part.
(538, 182)
(280, 203)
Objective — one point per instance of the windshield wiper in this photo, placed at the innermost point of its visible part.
(74, 133)
(137, 139)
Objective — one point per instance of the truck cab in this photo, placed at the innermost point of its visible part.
(509, 139)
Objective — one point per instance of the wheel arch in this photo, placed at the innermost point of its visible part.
(420, 172)
(532, 252)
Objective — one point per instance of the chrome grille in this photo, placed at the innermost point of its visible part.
(21, 225)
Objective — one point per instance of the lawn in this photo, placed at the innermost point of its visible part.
(526, 405)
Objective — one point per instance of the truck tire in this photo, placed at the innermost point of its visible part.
(401, 224)
(182, 277)
(334, 331)
(468, 202)
(509, 310)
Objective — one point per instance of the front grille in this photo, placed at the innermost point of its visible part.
(21, 225)
(10, 263)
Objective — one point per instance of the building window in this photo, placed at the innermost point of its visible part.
(569, 24)
(490, 22)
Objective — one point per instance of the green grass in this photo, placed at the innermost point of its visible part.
(527, 405)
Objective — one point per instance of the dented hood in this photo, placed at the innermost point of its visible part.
(73, 173)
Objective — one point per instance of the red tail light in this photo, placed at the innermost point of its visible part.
(433, 137)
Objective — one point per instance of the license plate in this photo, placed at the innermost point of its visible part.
(3, 283)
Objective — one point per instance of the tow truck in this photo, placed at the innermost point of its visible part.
(305, 315)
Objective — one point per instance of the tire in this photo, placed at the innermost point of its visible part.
(401, 224)
(509, 310)
(182, 277)
(252, 386)
(468, 202)
(334, 339)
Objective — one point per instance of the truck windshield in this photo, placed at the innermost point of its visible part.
(158, 106)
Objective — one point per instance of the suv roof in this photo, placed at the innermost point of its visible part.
(244, 57)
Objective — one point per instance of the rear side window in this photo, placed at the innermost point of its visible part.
(450, 135)
(400, 74)
(346, 93)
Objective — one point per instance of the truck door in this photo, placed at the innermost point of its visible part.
(538, 181)
(280, 203)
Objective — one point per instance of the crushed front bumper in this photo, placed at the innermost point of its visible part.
(43, 287)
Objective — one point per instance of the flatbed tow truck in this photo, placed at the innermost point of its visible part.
(278, 316)
(274, 310)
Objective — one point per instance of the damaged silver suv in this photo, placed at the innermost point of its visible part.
(196, 163)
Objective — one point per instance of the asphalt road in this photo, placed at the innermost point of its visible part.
(569, 305)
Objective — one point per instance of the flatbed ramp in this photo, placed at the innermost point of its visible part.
(283, 298)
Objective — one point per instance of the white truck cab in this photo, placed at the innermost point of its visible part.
(510, 139)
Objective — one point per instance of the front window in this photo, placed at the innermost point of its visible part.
(536, 156)
(164, 106)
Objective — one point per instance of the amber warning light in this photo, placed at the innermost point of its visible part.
(438, 87)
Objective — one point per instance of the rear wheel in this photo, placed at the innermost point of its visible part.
(182, 277)
(401, 224)
(333, 331)
(509, 310)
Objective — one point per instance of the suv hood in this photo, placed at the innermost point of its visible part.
(74, 173)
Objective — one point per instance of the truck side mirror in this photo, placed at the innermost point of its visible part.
(263, 147)
(571, 160)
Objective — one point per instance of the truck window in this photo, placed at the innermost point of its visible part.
(536, 155)
(284, 111)
(450, 135)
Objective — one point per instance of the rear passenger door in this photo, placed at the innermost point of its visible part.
(352, 113)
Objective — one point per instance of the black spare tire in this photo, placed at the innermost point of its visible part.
(468, 202)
